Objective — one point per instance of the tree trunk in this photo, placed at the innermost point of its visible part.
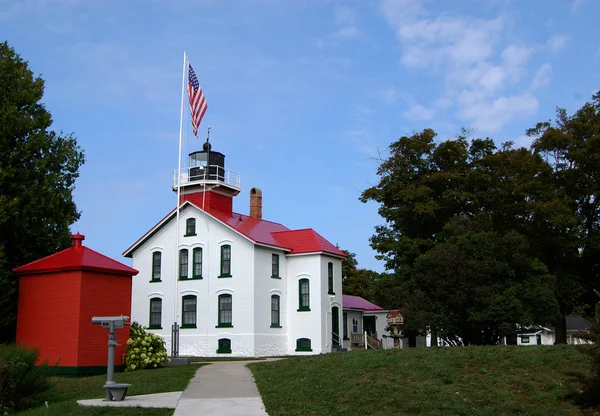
(560, 327)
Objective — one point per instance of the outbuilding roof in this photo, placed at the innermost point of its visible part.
(356, 302)
(76, 257)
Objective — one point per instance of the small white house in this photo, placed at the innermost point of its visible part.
(364, 324)
(540, 335)
(236, 284)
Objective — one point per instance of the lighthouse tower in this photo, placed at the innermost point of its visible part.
(206, 183)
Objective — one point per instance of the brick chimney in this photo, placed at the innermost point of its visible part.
(256, 203)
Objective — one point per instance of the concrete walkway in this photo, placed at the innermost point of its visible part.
(218, 388)
(222, 388)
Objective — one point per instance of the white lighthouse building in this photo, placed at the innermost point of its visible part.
(236, 284)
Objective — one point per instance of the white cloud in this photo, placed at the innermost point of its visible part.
(467, 53)
(490, 115)
(417, 112)
(542, 76)
(556, 43)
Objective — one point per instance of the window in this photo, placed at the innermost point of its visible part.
(225, 311)
(183, 264)
(354, 326)
(224, 346)
(225, 261)
(190, 227)
(304, 295)
(188, 308)
(156, 257)
(303, 344)
(155, 313)
(330, 278)
(525, 340)
(345, 318)
(275, 266)
(197, 264)
(275, 321)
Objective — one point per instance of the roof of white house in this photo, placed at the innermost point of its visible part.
(257, 230)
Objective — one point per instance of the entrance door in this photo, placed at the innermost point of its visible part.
(369, 325)
(335, 326)
(538, 339)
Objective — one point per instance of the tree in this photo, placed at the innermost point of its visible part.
(571, 146)
(455, 214)
(38, 168)
(355, 281)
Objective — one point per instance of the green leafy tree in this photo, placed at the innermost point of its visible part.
(571, 146)
(454, 211)
(38, 168)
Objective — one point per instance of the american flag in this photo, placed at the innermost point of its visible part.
(198, 104)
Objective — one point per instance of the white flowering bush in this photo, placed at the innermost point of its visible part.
(144, 350)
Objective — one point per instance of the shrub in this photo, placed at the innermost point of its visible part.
(144, 350)
(22, 383)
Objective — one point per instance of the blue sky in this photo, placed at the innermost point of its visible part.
(303, 95)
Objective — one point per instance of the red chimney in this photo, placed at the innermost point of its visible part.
(77, 239)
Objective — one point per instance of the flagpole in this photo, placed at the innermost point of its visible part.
(175, 329)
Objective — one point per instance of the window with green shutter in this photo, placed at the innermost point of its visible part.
(225, 261)
(275, 312)
(156, 266)
(304, 295)
(225, 312)
(275, 266)
(330, 279)
(197, 263)
(183, 264)
(155, 321)
(188, 311)
(190, 227)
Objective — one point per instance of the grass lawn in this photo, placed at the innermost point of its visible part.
(496, 380)
(62, 398)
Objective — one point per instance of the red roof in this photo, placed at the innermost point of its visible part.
(356, 302)
(306, 241)
(259, 231)
(76, 257)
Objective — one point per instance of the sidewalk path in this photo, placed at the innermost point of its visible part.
(222, 388)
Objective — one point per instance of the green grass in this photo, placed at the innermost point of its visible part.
(66, 391)
(425, 381)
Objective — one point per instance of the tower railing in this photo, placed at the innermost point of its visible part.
(209, 174)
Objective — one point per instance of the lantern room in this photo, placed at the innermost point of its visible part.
(59, 295)
(206, 168)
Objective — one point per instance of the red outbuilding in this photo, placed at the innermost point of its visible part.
(59, 295)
